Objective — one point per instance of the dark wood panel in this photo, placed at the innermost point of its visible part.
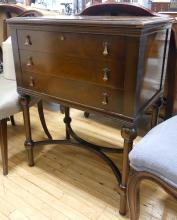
(74, 49)
(74, 44)
(153, 74)
(79, 92)
(108, 73)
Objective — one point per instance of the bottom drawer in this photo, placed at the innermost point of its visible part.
(78, 92)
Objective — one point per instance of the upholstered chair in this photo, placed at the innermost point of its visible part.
(154, 158)
(9, 100)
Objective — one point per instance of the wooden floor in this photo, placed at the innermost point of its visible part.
(68, 183)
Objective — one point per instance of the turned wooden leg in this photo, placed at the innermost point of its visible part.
(42, 119)
(155, 112)
(12, 120)
(24, 100)
(133, 194)
(129, 134)
(67, 121)
(3, 144)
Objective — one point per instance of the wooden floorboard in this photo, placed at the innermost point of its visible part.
(69, 183)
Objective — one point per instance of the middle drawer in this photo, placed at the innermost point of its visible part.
(108, 73)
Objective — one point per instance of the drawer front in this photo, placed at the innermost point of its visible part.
(73, 44)
(108, 73)
(75, 91)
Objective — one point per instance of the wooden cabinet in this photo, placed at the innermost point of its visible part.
(110, 65)
(120, 60)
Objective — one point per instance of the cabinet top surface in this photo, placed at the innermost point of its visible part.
(134, 21)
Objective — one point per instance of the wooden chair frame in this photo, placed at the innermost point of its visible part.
(133, 191)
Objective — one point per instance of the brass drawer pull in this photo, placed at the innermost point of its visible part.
(106, 74)
(31, 83)
(30, 62)
(28, 41)
(105, 98)
(62, 38)
(105, 50)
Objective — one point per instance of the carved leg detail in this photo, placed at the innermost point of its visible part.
(155, 112)
(129, 134)
(133, 194)
(3, 144)
(42, 119)
(29, 142)
(67, 121)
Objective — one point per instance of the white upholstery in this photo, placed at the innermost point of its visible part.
(8, 60)
(9, 103)
(9, 98)
(157, 152)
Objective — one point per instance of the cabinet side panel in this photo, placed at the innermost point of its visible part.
(16, 56)
(152, 76)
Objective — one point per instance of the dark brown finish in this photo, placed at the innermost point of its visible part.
(119, 9)
(42, 119)
(3, 145)
(120, 88)
(128, 134)
(29, 142)
(170, 94)
(114, 9)
(97, 64)
(155, 112)
(12, 120)
(67, 121)
(134, 191)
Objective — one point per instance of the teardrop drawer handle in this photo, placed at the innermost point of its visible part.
(30, 62)
(106, 74)
(105, 98)
(31, 82)
(62, 38)
(105, 48)
(28, 41)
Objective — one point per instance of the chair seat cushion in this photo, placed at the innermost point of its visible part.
(9, 98)
(156, 153)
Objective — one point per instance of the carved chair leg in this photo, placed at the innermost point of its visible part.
(3, 144)
(12, 120)
(129, 134)
(24, 100)
(42, 119)
(133, 194)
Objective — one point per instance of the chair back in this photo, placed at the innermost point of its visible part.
(8, 60)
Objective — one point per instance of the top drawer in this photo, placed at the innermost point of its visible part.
(74, 44)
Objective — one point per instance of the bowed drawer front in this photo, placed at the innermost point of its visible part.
(106, 73)
(78, 92)
(73, 44)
